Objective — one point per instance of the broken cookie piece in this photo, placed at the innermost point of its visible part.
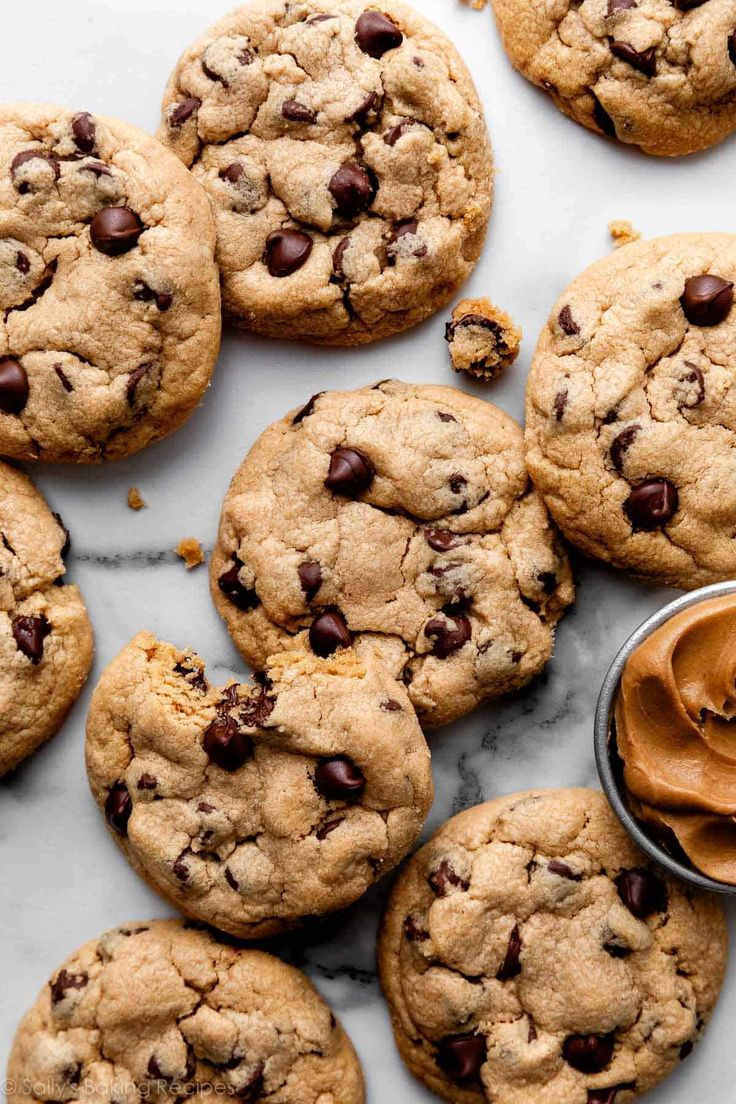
(190, 550)
(622, 232)
(483, 339)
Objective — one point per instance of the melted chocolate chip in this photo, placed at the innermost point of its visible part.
(339, 779)
(255, 710)
(620, 5)
(562, 870)
(183, 111)
(445, 878)
(180, 868)
(588, 1053)
(732, 47)
(328, 632)
(29, 633)
(645, 61)
(449, 634)
(351, 472)
(147, 782)
(375, 34)
(23, 158)
(707, 300)
(225, 745)
(22, 263)
(686, 1050)
(390, 705)
(64, 552)
(511, 965)
(84, 132)
(548, 581)
(14, 389)
(621, 443)
(63, 378)
(145, 294)
(242, 597)
(441, 540)
(329, 826)
(414, 930)
(310, 578)
(115, 230)
(352, 189)
(559, 405)
(65, 981)
(337, 258)
(392, 135)
(368, 105)
(694, 376)
(461, 1057)
(134, 379)
(642, 892)
(307, 409)
(231, 879)
(297, 112)
(286, 251)
(567, 323)
(118, 807)
(602, 119)
(652, 505)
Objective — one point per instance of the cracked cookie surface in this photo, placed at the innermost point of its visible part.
(45, 634)
(530, 955)
(631, 410)
(346, 159)
(161, 1011)
(399, 516)
(658, 74)
(109, 296)
(253, 808)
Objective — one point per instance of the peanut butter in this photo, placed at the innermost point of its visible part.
(676, 732)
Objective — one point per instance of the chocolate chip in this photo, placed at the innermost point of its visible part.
(14, 388)
(620, 5)
(686, 5)
(360, 114)
(441, 540)
(389, 705)
(96, 168)
(307, 409)
(297, 112)
(694, 376)
(147, 782)
(134, 378)
(458, 483)
(567, 323)
(621, 443)
(63, 378)
(145, 294)
(225, 745)
(65, 981)
(115, 230)
(352, 189)
(255, 710)
(310, 578)
(329, 826)
(449, 634)
(183, 111)
(616, 950)
(23, 158)
(118, 807)
(602, 1096)
(337, 258)
(242, 597)
(642, 892)
(84, 132)
(559, 404)
(652, 504)
(403, 229)
(375, 34)
(686, 1050)
(602, 119)
(328, 632)
(444, 878)
(511, 965)
(180, 868)
(66, 534)
(445, 417)
(732, 47)
(588, 1053)
(22, 263)
(562, 870)
(339, 779)
(414, 930)
(29, 633)
(645, 61)
(392, 135)
(249, 1091)
(461, 1057)
(548, 581)
(231, 879)
(351, 472)
(707, 299)
(286, 251)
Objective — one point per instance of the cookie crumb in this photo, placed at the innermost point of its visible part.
(190, 551)
(135, 501)
(483, 339)
(622, 232)
(476, 5)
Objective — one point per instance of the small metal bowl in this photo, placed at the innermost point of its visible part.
(610, 766)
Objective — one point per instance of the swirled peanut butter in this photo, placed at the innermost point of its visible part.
(676, 732)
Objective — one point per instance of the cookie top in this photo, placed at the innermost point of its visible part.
(252, 808)
(45, 634)
(345, 155)
(109, 297)
(530, 955)
(399, 517)
(658, 74)
(631, 409)
(162, 1010)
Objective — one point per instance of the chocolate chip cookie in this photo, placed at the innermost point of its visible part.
(109, 293)
(45, 634)
(345, 155)
(400, 518)
(163, 1011)
(631, 410)
(658, 74)
(483, 340)
(255, 807)
(530, 955)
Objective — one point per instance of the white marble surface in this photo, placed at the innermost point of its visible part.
(63, 881)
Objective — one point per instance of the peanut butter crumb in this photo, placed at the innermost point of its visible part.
(135, 501)
(622, 232)
(190, 551)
